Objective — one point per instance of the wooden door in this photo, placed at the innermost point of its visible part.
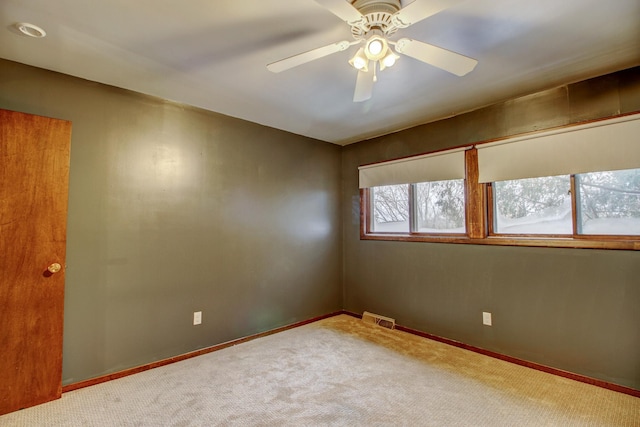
(34, 171)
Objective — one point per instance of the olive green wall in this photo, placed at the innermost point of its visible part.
(572, 309)
(174, 210)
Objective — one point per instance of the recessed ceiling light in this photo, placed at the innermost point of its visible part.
(30, 30)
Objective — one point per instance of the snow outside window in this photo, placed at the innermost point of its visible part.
(533, 206)
(608, 203)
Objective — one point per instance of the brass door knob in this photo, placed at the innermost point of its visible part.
(54, 268)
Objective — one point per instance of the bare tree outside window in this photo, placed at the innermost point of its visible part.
(440, 206)
(390, 208)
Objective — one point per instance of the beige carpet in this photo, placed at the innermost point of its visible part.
(337, 372)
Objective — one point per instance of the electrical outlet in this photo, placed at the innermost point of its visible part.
(197, 317)
(486, 318)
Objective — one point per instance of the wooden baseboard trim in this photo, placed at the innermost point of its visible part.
(159, 363)
(526, 363)
(350, 313)
(559, 372)
(521, 362)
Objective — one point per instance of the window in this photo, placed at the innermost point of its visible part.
(440, 207)
(436, 207)
(416, 195)
(561, 188)
(390, 209)
(609, 203)
(533, 206)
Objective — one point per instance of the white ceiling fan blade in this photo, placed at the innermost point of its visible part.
(364, 86)
(342, 9)
(421, 9)
(308, 56)
(442, 58)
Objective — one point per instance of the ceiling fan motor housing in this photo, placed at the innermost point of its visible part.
(378, 14)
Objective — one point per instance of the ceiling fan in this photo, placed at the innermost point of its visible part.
(372, 22)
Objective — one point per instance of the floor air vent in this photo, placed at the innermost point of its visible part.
(376, 319)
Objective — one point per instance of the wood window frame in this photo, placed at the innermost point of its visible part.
(479, 222)
(366, 232)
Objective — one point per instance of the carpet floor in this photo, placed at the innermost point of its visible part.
(337, 372)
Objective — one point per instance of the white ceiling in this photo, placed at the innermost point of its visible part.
(213, 54)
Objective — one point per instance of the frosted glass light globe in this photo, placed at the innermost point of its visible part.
(359, 63)
(375, 47)
(389, 60)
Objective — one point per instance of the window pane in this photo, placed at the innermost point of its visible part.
(609, 202)
(390, 208)
(440, 206)
(533, 206)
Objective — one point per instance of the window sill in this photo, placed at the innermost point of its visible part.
(546, 242)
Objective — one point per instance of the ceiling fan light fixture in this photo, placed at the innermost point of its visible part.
(372, 22)
(389, 60)
(376, 47)
(360, 61)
